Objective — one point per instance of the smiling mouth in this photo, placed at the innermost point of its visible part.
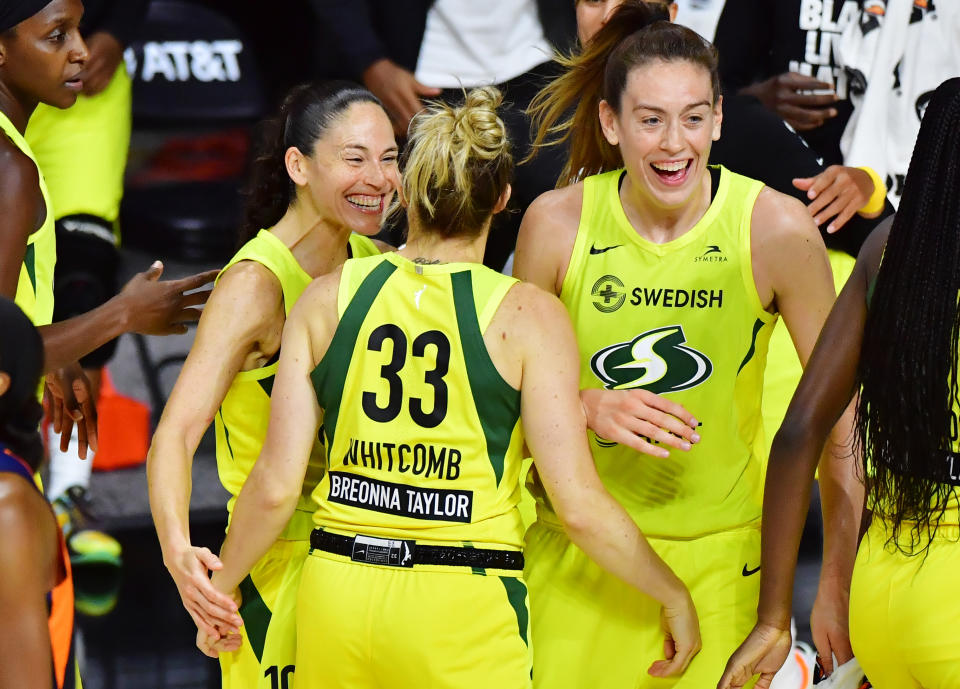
(74, 84)
(366, 204)
(673, 173)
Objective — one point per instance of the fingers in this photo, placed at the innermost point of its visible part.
(424, 90)
(197, 298)
(189, 316)
(154, 271)
(670, 407)
(202, 625)
(194, 281)
(834, 209)
(208, 559)
(803, 119)
(823, 181)
(674, 665)
(803, 183)
(798, 82)
(213, 614)
(848, 212)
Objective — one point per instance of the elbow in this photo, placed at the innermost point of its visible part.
(576, 521)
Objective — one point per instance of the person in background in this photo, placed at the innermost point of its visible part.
(82, 153)
(408, 50)
(36, 590)
(891, 343)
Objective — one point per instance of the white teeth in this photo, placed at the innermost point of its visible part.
(671, 167)
(365, 201)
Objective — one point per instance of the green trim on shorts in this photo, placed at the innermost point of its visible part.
(498, 405)
(517, 596)
(330, 375)
(256, 616)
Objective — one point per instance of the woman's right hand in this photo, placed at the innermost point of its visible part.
(638, 418)
(682, 642)
(213, 612)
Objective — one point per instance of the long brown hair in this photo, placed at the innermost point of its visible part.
(567, 109)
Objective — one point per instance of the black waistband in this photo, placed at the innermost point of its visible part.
(407, 553)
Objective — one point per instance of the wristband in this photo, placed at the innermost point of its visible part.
(876, 201)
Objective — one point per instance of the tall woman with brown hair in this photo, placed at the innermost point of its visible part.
(674, 273)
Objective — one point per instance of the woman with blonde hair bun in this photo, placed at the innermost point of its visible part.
(417, 368)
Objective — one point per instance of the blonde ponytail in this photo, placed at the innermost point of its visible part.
(457, 164)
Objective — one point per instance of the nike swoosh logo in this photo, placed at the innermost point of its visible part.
(747, 572)
(594, 250)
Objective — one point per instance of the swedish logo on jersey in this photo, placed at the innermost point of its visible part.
(657, 360)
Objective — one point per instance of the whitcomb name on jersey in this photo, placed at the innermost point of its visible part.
(400, 499)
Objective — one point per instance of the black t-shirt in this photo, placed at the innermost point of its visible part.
(758, 39)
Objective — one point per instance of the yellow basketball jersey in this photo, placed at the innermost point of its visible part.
(241, 421)
(423, 434)
(35, 285)
(683, 320)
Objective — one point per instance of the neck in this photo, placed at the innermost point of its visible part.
(658, 224)
(318, 245)
(17, 110)
(431, 248)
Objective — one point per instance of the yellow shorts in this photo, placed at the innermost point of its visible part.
(82, 150)
(592, 630)
(361, 625)
(905, 614)
(267, 655)
(782, 374)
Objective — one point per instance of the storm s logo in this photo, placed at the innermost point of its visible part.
(656, 360)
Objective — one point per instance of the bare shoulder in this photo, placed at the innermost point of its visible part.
(777, 216)
(531, 312)
(19, 178)
(556, 212)
(26, 522)
(547, 235)
(249, 287)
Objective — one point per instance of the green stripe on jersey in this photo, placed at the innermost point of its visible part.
(498, 404)
(330, 374)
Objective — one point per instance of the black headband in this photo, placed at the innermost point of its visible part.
(12, 12)
(21, 356)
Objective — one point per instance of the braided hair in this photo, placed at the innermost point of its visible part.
(905, 423)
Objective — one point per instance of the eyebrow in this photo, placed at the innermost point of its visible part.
(653, 108)
(361, 147)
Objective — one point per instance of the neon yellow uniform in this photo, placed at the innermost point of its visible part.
(415, 575)
(782, 375)
(681, 319)
(35, 285)
(903, 614)
(269, 592)
(83, 149)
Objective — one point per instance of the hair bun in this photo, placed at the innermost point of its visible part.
(478, 123)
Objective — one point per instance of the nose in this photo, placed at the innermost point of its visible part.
(378, 178)
(78, 50)
(672, 140)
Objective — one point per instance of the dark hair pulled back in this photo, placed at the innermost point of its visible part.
(21, 358)
(305, 115)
